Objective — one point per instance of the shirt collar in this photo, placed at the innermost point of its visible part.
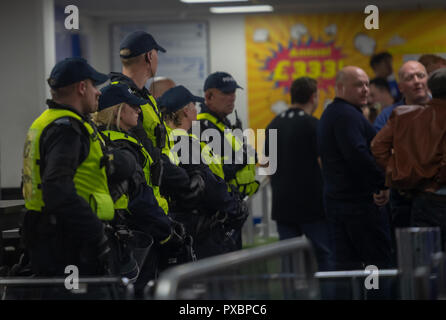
(337, 99)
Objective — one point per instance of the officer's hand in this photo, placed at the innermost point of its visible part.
(197, 184)
(196, 188)
(120, 164)
(381, 198)
(178, 228)
(175, 242)
(96, 252)
(238, 218)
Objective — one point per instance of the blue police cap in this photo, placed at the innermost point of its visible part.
(177, 98)
(72, 70)
(114, 94)
(222, 81)
(137, 43)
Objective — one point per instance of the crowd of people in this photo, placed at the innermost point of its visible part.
(115, 185)
(354, 165)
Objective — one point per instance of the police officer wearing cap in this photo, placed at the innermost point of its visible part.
(219, 89)
(217, 206)
(145, 209)
(139, 57)
(65, 177)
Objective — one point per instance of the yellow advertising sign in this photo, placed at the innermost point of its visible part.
(281, 48)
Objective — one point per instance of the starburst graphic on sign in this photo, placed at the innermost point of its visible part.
(315, 59)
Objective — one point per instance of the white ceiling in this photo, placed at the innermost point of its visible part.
(163, 9)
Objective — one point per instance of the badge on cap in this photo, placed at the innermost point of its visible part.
(228, 79)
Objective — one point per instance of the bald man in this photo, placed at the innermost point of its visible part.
(353, 184)
(160, 85)
(412, 83)
(413, 86)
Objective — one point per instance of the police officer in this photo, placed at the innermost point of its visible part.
(146, 210)
(239, 165)
(65, 183)
(138, 202)
(217, 205)
(139, 56)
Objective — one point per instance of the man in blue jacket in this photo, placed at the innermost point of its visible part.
(354, 185)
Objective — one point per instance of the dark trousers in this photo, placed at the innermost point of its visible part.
(430, 211)
(361, 237)
(400, 208)
(319, 235)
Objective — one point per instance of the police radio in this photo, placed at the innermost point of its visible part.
(238, 122)
(160, 135)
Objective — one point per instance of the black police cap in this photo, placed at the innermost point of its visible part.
(137, 43)
(222, 81)
(72, 70)
(177, 98)
(114, 94)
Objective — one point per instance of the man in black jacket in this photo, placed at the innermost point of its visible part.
(297, 183)
(353, 184)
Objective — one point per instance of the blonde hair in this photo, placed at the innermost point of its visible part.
(175, 117)
(109, 116)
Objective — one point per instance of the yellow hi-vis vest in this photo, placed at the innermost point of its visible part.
(245, 179)
(213, 160)
(115, 136)
(151, 118)
(90, 180)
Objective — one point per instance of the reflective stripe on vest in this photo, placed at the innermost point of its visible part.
(213, 161)
(90, 180)
(245, 178)
(122, 203)
(233, 141)
(115, 136)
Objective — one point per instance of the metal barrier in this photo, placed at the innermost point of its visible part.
(266, 227)
(96, 288)
(416, 248)
(282, 270)
(355, 279)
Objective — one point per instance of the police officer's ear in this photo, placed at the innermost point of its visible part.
(81, 87)
(148, 56)
(208, 95)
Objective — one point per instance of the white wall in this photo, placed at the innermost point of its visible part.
(228, 53)
(27, 37)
